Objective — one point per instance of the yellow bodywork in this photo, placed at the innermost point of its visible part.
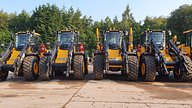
(167, 57)
(130, 47)
(114, 54)
(139, 53)
(14, 55)
(62, 56)
(185, 49)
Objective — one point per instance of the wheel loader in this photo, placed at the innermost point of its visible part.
(115, 54)
(186, 48)
(21, 56)
(65, 58)
(159, 54)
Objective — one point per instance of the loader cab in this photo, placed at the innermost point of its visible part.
(188, 38)
(65, 39)
(21, 40)
(158, 36)
(113, 39)
(187, 48)
(147, 36)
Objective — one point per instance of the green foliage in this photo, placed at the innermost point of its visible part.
(155, 23)
(3, 20)
(127, 19)
(19, 22)
(47, 19)
(180, 20)
(4, 33)
(4, 39)
(125, 24)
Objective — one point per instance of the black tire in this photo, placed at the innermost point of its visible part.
(44, 69)
(149, 72)
(3, 75)
(180, 73)
(78, 67)
(86, 65)
(133, 68)
(30, 67)
(98, 66)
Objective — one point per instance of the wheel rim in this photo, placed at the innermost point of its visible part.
(35, 68)
(143, 69)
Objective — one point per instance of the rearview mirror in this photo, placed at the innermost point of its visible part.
(126, 33)
(169, 32)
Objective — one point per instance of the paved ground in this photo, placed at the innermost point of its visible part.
(112, 92)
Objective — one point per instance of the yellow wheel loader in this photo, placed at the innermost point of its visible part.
(66, 57)
(21, 56)
(186, 48)
(114, 54)
(158, 54)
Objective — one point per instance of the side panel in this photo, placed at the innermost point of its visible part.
(142, 50)
(168, 58)
(14, 55)
(62, 56)
(186, 50)
(115, 57)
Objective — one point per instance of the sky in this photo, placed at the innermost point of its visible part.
(100, 9)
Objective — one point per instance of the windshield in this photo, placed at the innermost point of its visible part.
(21, 40)
(65, 38)
(113, 38)
(189, 39)
(158, 37)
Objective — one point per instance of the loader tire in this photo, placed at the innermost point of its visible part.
(44, 69)
(98, 66)
(148, 68)
(133, 68)
(181, 73)
(30, 68)
(79, 67)
(86, 62)
(3, 75)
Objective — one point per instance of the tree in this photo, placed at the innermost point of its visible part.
(3, 20)
(108, 23)
(20, 22)
(155, 23)
(47, 19)
(4, 33)
(127, 19)
(180, 20)
(116, 23)
(87, 34)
